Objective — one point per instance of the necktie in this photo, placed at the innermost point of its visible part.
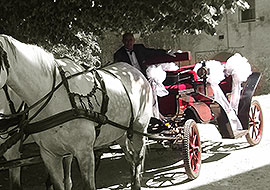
(130, 52)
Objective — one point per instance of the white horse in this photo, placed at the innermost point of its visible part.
(29, 71)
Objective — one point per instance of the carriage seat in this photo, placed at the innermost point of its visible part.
(177, 82)
(180, 79)
(173, 76)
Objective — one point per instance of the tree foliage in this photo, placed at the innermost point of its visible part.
(54, 22)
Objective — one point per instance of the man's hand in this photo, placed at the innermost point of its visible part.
(172, 52)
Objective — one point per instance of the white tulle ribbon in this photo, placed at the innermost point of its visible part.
(156, 74)
(169, 66)
(215, 76)
(239, 68)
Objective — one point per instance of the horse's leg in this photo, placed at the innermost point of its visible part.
(98, 154)
(55, 168)
(86, 161)
(67, 161)
(134, 150)
(49, 184)
(15, 178)
(14, 173)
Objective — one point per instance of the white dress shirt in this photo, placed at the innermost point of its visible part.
(133, 59)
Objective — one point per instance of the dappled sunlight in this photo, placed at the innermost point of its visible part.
(74, 69)
(122, 69)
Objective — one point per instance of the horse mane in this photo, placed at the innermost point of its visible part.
(3, 57)
(32, 52)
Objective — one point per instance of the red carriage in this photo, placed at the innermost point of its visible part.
(191, 101)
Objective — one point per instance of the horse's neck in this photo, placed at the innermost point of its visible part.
(28, 80)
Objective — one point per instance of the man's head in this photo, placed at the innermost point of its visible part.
(128, 41)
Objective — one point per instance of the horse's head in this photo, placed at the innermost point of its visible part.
(4, 65)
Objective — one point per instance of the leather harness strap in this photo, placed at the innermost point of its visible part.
(66, 85)
(71, 95)
(105, 100)
(130, 128)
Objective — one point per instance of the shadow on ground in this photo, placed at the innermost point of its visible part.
(163, 168)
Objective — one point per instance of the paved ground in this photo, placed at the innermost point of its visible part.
(227, 165)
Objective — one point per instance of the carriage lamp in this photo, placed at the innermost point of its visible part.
(203, 71)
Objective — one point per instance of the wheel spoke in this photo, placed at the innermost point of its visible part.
(194, 139)
(254, 131)
(255, 124)
(251, 112)
(192, 152)
(197, 148)
(194, 155)
(193, 162)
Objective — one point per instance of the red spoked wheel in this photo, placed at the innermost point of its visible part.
(255, 128)
(192, 149)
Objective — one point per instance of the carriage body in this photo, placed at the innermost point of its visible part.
(191, 100)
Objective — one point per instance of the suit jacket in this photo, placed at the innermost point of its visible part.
(142, 53)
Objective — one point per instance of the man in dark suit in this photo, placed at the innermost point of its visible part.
(135, 54)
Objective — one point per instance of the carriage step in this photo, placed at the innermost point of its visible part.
(239, 133)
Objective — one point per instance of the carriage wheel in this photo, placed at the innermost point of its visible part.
(192, 149)
(255, 128)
